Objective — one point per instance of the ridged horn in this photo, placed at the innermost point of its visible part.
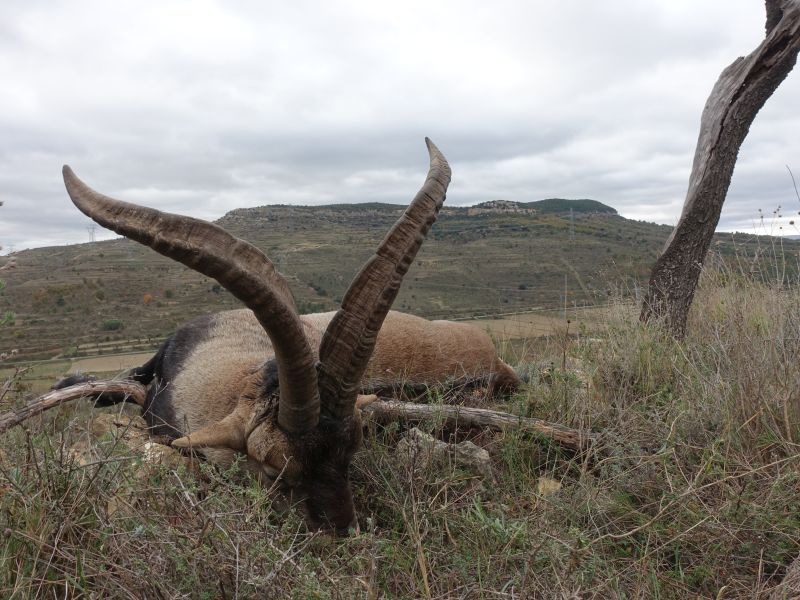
(350, 338)
(238, 266)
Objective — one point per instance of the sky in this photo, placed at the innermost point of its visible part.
(200, 107)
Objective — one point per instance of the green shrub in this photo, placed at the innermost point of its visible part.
(112, 325)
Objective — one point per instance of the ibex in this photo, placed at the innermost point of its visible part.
(279, 387)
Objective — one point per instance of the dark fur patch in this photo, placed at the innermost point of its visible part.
(73, 379)
(268, 391)
(164, 367)
(269, 375)
(326, 472)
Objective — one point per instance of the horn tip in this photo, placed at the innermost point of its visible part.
(70, 179)
(437, 158)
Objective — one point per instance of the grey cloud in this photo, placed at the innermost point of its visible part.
(208, 107)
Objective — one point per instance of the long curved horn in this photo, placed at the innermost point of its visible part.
(238, 266)
(350, 338)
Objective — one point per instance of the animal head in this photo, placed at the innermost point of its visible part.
(296, 417)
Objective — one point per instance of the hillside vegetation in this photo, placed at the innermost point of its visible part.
(116, 296)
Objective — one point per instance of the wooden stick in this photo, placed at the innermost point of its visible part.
(135, 391)
(386, 411)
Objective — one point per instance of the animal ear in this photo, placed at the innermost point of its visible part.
(228, 433)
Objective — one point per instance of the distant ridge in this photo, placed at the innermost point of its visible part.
(548, 206)
(552, 206)
(505, 257)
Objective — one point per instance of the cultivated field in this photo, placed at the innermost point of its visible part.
(116, 296)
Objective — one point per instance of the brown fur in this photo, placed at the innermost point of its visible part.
(415, 350)
(409, 349)
(220, 381)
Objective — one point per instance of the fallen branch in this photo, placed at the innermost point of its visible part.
(379, 411)
(132, 390)
(386, 411)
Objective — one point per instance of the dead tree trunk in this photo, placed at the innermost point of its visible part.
(740, 92)
(135, 391)
(790, 586)
(379, 411)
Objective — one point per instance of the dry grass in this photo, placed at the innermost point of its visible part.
(695, 491)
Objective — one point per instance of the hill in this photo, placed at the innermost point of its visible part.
(117, 295)
(560, 205)
(549, 205)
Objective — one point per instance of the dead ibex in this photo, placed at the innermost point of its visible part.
(271, 384)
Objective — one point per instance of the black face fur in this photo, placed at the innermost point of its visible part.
(324, 455)
(326, 473)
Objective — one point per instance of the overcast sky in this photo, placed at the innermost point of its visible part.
(205, 106)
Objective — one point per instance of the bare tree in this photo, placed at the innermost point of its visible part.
(9, 264)
(740, 92)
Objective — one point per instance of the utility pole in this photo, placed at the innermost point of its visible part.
(91, 228)
(571, 224)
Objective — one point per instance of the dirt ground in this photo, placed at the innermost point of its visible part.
(533, 325)
(522, 326)
(105, 364)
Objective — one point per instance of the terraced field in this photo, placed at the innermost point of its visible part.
(116, 296)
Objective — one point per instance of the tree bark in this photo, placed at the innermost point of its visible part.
(740, 92)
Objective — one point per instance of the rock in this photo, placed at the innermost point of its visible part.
(422, 450)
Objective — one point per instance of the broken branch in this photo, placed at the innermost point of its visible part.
(386, 411)
(130, 389)
(379, 411)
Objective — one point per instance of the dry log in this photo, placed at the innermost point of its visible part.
(379, 411)
(386, 411)
(790, 586)
(135, 391)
